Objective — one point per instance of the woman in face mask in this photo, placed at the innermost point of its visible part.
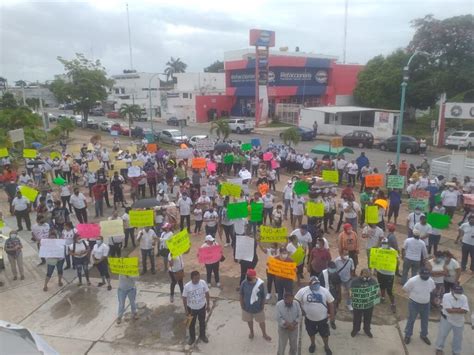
(364, 293)
(52, 263)
(79, 250)
(99, 255)
(273, 251)
(437, 266)
(283, 285)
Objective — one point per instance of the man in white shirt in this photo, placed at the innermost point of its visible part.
(196, 303)
(351, 212)
(374, 236)
(307, 164)
(204, 201)
(297, 206)
(413, 253)
(304, 237)
(99, 255)
(287, 196)
(147, 239)
(412, 219)
(352, 170)
(454, 307)
(268, 200)
(317, 304)
(419, 290)
(24, 178)
(106, 158)
(424, 229)
(449, 198)
(40, 231)
(184, 205)
(79, 202)
(466, 232)
(21, 209)
(340, 165)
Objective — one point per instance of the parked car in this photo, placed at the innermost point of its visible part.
(174, 121)
(96, 112)
(194, 139)
(139, 132)
(460, 139)
(239, 125)
(77, 119)
(91, 123)
(52, 117)
(113, 114)
(359, 139)
(172, 136)
(408, 144)
(106, 125)
(121, 128)
(306, 134)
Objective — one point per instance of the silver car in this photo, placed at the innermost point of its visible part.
(172, 136)
(105, 125)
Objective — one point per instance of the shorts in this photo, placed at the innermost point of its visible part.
(315, 327)
(385, 281)
(258, 317)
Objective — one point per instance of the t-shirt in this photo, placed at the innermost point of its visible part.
(195, 294)
(80, 247)
(211, 218)
(100, 251)
(319, 259)
(419, 290)
(437, 267)
(246, 291)
(456, 319)
(452, 266)
(303, 239)
(351, 209)
(147, 238)
(268, 201)
(314, 304)
(414, 249)
(40, 231)
(468, 236)
(424, 229)
(78, 201)
(395, 198)
(449, 198)
(20, 204)
(344, 267)
(184, 206)
(352, 168)
(373, 235)
(413, 219)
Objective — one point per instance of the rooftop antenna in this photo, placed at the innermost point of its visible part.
(345, 31)
(129, 39)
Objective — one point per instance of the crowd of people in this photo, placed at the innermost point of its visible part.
(185, 197)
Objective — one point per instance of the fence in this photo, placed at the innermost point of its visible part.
(456, 165)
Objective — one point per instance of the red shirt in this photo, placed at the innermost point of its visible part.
(98, 191)
(320, 257)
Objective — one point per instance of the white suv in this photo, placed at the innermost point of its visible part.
(240, 125)
(461, 139)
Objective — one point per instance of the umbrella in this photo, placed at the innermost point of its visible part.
(146, 203)
(327, 149)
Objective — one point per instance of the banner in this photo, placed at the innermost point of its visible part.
(210, 255)
(422, 203)
(211, 166)
(142, 218)
(113, 228)
(237, 210)
(244, 248)
(29, 192)
(298, 255)
(256, 212)
(280, 268)
(152, 148)
(374, 180)
(267, 156)
(198, 163)
(90, 230)
(229, 189)
(3, 152)
(383, 259)
(179, 243)
(371, 214)
(395, 182)
(184, 153)
(52, 248)
(30, 153)
(124, 266)
(365, 297)
(301, 188)
(438, 220)
(331, 176)
(246, 147)
(204, 144)
(314, 209)
(273, 235)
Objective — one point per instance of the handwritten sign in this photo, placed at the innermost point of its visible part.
(75, 148)
(113, 228)
(371, 214)
(336, 142)
(132, 149)
(29, 192)
(438, 220)
(210, 255)
(179, 243)
(3, 152)
(468, 199)
(52, 248)
(274, 164)
(205, 144)
(280, 268)
(198, 163)
(395, 181)
(93, 165)
(141, 218)
(298, 255)
(30, 153)
(244, 248)
(383, 259)
(88, 230)
(120, 164)
(246, 147)
(90, 147)
(273, 235)
(124, 266)
(365, 297)
(152, 148)
(314, 209)
(59, 181)
(422, 203)
(267, 156)
(301, 188)
(237, 210)
(419, 193)
(256, 212)
(228, 189)
(374, 180)
(331, 176)
(211, 166)
(184, 153)
(138, 163)
(133, 171)
(55, 155)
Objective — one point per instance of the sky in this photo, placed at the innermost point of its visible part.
(34, 33)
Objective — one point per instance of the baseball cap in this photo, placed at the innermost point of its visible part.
(425, 272)
(313, 280)
(209, 238)
(251, 273)
(457, 289)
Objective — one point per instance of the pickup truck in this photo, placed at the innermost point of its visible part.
(239, 125)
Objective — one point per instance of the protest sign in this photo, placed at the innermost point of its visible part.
(211, 166)
(52, 248)
(93, 165)
(298, 255)
(141, 218)
(3, 152)
(30, 153)
(374, 180)
(244, 248)
(132, 149)
(314, 209)
(468, 199)
(395, 181)
(267, 156)
(229, 159)
(198, 163)
(152, 148)
(229, 189)
(90, 147)
(301, 188)
(2, 223)
(112, 228)
(204, 144)
(29, 192)
(274, 164)
(383, 259)
(124, 266)
(371, 214)
(184, 153)
(88, 230)
(331, 176)
(255, 142)
(273, 235)
(210, 255)
(55, 155)
(336, 142)
(179, 243)
(365, 297)
(418, 193)
(138, 163)
(263, 188)
(256, 212)
(120, 164)
(59, 181)
(74, 148)
(280, 268)
(237, 210)
(246, 175)
(246, 147)
(134, 171)
(438, 220)
(422, 203)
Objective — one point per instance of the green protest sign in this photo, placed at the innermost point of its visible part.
(256, 212)
(228, 159)
(246, 147)
(365, 297)
(237, 210)
(301, 188)
(395, 182)
(438, 220)
(422, 203)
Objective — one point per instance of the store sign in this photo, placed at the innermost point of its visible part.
(459, 110)
(262, 38)
(281, 77)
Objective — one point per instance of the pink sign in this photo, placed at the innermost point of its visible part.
(468, 199)
(88, 230)
(267, 156)
(211, 166)
(274, 164)
(210, 255)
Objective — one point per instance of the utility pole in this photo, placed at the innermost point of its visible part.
(345, 32)
(129, 39)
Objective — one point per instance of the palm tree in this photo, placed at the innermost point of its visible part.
(130, 111)
(66, 125)
(290, 135)
(174, 66)
(221, 127)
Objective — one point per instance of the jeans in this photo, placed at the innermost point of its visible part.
(228, 231)
(433, 241)
(174, 282)
(149, 253)
(467, 250)
(197, 226)
(352, 179)
(211, 231)
(16, 260)
(282, 285)
(407, 265)
(200, 314)
(188, 222)
(285, 336)
(270, 282)
(103, 268)
(357, 319)
(99, 208)
(129, 233)
(67, 200)
(210, 268)
(115, 250)
(444, 328)
(81, 264)
(414, 309)
(287, 204)
(267, 212)
(58, 265)
(81, 214)
(122, 296)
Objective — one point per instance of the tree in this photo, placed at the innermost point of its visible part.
(58, 88)
(33, 103)
(66, 125)
(21, 83)
(8, 101)
(21, 117)
(221, 128)
(87, 83)
(174, 66)
(216, 67)
(290, 135)
(132, 112)
(3, 83)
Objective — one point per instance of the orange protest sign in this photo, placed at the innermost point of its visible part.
(152, 148)
(263, 188)
(336, 142)
(199, 163)
(374, 180)
(280, 268)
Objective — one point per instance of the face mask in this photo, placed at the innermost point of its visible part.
(417, 213)
(288, 304)
(99, 242)
(314, 287)
(211, 210)
(284, 256)
(424, 278)
(13, 235)
(332, 271)
(344, 257)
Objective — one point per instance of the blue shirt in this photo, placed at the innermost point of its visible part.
(395, 198)
(246, 291)
(362, 161)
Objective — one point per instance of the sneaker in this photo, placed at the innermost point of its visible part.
(204, 339)
(312, 348)
(22, 277)
(407, 340)
(100, 284)
(268, 297)
(15, 278)
(353, 333)
(426, 340)
(209, 285)
(119, 320)
(382, 299)
(327, 350)
(172, 299)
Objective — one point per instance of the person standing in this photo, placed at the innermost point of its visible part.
(282, 284)
(79, 202)
(268, 202)
(127, 229)
(210, 222)
(466, 232)
(147, 238)
(115, 242)
(412, 219)
(209, 241)
(184, 204)
(196, 303)
(13, 248)
(68, 235)
(362, 310)
(99, 255)
(98, 192)
(163, 250)
(176, 272)
(348, 241)
(79, 250)
(346, 270)
(331, 281)
(453, 269)
(287, 197)
(413, 253)
(352, 212)
(419, 290)
(53, 263)
(40, 230)
(385, 279)
(395, 200)
(318, 305)
(319, 257)
(374, 236)
(288, 315)
(449, 198)
(21, 209)
(454, 307)
(252, 302)
(126, 288)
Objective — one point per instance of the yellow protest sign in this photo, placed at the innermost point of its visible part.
(93, 165)
(29, 192)
(124, 266)
(132, 149)
(113, 228)
(273, 235)
(314, 209)
(75, 148)
(371, 214)
(30, 153)
(2, 224)
(336, 142)
(90, 147)
(54, 155)
(280, 268)
(229, 189)
(331, 176)
(298, 255)
(138, 163)
(120, 164)
(3, 152)
(383, 259)
(179, 243)
(141, 218)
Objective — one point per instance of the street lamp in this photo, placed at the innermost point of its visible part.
(149, 98)
(404, 85)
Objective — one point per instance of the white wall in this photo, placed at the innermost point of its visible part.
(200, 82)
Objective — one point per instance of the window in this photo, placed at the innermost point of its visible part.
(185, 95)
(326, 118)
(367, 118)
(350, 118)
(359, 119)
(117, 90)
(190, 96)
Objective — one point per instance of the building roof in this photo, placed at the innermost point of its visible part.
(245, 53)
(339, 109)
